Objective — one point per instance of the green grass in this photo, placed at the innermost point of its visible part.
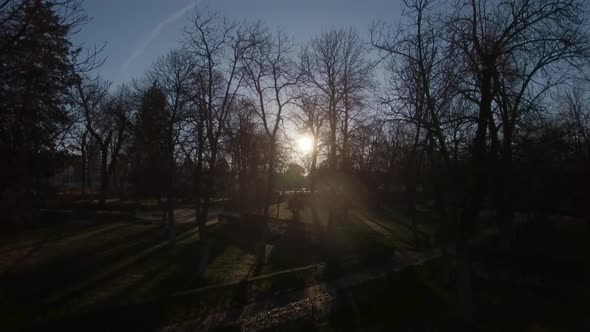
(73, 273)
(392, 228)
(412, 300)
(61, 271)
(231, 265)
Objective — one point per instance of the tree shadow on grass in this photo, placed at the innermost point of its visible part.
(65, 276)
(145, 300)
(408, 303)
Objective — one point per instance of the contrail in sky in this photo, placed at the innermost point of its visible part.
(140, 49)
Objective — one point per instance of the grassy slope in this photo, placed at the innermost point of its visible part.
(56, 272)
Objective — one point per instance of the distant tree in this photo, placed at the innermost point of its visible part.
(292, 178)
(335, 65)
(308, 119)
(271, 77)
(107, 119)
(164, 106)
(247, 144)
(149, 146)
(574, 113)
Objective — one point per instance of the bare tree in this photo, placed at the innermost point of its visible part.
(574, 113)
(513, 50)
(217, 47)
(246, 141)
(309, 119)
(423, 81)
(106, 119)
(335, 65)
(172, 74)
(271, 77)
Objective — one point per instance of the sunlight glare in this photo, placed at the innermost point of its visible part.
(305, 144)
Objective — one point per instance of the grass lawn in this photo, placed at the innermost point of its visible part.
(67, 269)
(556, 254)
(347, 237)
(70, 270)
(122, 275)
(350, 235)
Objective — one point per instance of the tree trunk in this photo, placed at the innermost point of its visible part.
(476, 188)
(505, 213)
(197, 180)
(332, 164)
(171, 221)
(411, 205)
(170, 195)
(84, 165)
(412, 174)
(312, 183)
(270, 179)
(206, 195)
(267, 202)
(104, 174)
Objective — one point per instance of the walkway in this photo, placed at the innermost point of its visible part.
(181, 215)
(313, 303)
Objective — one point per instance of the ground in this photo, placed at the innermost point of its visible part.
(116, 275)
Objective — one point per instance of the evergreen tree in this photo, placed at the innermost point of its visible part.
(36, 74)
(150, 157)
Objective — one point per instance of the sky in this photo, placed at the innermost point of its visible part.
(137, 32)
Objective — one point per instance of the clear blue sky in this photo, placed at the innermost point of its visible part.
(139, 31)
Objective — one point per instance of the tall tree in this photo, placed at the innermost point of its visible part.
(513, 51)
(335, 65)
(309, 119)
(150, 150)
(270, 74)
(218, 47)
(35, 56)
(423, 85)
(107, 119)
(171, 75)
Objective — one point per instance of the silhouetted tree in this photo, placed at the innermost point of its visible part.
(217, 47)
(165, 111)
(106, 118)
(334, 64)
(149, 146)
(35, 56)
(270, 75)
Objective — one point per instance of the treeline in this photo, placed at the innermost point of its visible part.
(474, 104)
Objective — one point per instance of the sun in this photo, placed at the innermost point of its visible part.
(305, 144)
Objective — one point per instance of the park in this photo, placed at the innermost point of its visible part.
(415, 165)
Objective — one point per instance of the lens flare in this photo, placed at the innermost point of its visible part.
(305, 144)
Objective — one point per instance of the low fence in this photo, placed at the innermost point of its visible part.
(248, 290)
(302, 311)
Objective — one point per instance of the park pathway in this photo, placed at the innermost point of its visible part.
(309, 304)
(181, 215)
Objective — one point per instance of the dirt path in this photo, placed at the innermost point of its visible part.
(312, 303)
(374, 226)
(180, 215)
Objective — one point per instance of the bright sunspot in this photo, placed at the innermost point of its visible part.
(305, 144)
